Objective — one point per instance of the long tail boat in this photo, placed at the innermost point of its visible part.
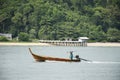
(39, 58)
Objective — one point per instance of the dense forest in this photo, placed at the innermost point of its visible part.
(99, 20)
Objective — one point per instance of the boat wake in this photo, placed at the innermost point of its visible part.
(90, 62)
(104, 62)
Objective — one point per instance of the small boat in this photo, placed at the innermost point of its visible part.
(39, 58)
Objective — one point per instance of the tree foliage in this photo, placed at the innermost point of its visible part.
(2, 38)
(113, 35)
(23, 36)
(60, 19)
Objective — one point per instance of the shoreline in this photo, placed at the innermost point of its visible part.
(23, 44)
(107, 44)
(45, 44)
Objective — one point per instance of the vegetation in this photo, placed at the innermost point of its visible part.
(2, 39)
(57, 19)
(23, 36)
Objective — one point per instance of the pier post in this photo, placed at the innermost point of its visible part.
(64, 43)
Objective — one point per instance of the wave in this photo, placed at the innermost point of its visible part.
(93, 62)
(104, 62)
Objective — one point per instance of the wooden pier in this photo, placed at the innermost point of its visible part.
(64, 43)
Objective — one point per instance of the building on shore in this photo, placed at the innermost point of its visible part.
(82, 41)
(8, 36)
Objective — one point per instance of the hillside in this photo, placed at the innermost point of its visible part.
(59, 19)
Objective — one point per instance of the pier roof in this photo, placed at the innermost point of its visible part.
(83, 38)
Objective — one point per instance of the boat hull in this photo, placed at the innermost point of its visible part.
(39, 58)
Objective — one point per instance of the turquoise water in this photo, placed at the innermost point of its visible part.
(16, 63)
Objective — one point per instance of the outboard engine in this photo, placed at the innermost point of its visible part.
(77, 57)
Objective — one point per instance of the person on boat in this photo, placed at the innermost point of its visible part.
(71, 55)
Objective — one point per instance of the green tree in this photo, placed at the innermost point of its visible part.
(113, 35)
(2, 38)
(32, 34)
(23, 36)
(58, 19)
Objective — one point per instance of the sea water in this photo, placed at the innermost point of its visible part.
(16, 63)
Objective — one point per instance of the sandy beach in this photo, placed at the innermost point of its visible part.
(104, 44)
(45, 44)
(22, 44)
